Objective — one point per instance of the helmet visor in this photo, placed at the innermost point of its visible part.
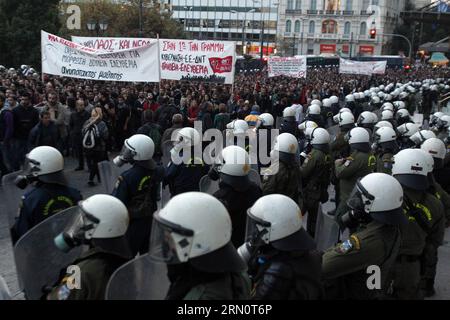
(257, 231)
(128, 153)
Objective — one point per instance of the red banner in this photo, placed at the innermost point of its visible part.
(221, 65)
(327, 48)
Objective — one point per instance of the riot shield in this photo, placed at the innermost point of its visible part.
(109, 173)
(333, 131)
(38, 260)
(4, 291)
(139, 279)
(327, 230)
(11, 196)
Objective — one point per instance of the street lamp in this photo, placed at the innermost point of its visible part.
(91, 25)
(243, 27)
(102, 26)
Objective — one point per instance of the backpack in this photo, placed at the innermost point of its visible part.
(89, 137)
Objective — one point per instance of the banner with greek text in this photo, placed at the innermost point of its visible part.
(362, 67)
(208, 61)
(112, 44)
(294, 67)
(65, 58)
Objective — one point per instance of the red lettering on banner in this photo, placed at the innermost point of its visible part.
(169, 46)
(221, 65)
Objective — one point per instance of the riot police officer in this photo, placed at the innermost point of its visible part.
(50, 193)
(375, 210)
(101, 224)
(236, 191)
(402, 116)
(314, 114)
(192, 235)
(367, 120)
(186, 168)
(289, 124)
(266, 122)
(405, 131)
(421, 136)
(385, 146)
(283, 176)
(411, 168)
(138, 188)
(315, 172)
(281, 256)
(360, 163)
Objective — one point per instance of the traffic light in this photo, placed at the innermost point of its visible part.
(407, 67)
(373, 33)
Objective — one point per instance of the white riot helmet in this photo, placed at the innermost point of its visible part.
(356, 95)
(137, 148)
(286, 143)
(403, 115)
(387, 115)
(349, 98)
(381, 124)
(334, 99)
(319, 136)
(101, 217)
(307, 124)
(387, 106)
(385, 134)
(195, 227)
(381, 95)
(234, 167)
(443, 122)
(381, 87)
(289, 112)
(238, 127)
(407, 129)
(367, 93)
(399, 105)
(411, 168)
(346, 119)
(403, 95)
(358, 136)
(316, 102)
(375, 100)
(277, 220)
(266, 120)
(388, 97)
(411, 89)
(421, 136)
(326, 103)
(380, 196)
(435, 117)
(366, 120)
(436, 148)
(313, 109)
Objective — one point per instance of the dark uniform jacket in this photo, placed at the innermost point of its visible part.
(315, 172)
(185, 177)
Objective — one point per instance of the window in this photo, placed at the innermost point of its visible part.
(329, 26)
(347, 27)
(290, 5)
(312, 27)
(288, 25)
(375, 2)
(313, 5)
(297, 26)
(298, 4)
(365, 4)
(348, 5)
(363, 29)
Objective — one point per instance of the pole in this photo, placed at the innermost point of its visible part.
(293, 46)
(262, 41)
(351, 45)
(243, 37)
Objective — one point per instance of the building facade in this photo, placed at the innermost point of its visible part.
(314, 27)
(248, 22)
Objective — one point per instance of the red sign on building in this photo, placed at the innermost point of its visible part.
(327, 48)
(367, 49)
(345, 48)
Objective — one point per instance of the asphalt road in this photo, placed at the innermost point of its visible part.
(79, 180)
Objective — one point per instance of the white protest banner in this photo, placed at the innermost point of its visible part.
(208, 61)
(112, 44)
(294, 67)
(362, 67)
(65, 58)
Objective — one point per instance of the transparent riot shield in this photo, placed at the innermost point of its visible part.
(10, 196)
(109, 173)
(139, 279)
(38, 260)
(327, 230)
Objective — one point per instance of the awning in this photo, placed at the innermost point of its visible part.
(438, 58)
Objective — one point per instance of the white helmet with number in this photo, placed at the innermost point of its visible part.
(334, 99)
(307, 124)
(238, 127)
(435, 147)
(387, 106)
(349, 98)
(319, 136)
(139, 148)
(387, 115)
(421, 136)
(289, 112)
(277, 220)
(45, 160)
(358, 135)
(381, 196)
(326, 103)
(286, 143)
(411, 167)
(408, 129)
(316, 102)
(195, 227)
(267, 120)
(313, 109)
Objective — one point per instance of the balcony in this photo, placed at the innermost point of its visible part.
(348, 13)
(311, 11)
(346, 36)
(367, 13)
(310, 35)
(331, 12)
(293, 11)
(287, 34)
